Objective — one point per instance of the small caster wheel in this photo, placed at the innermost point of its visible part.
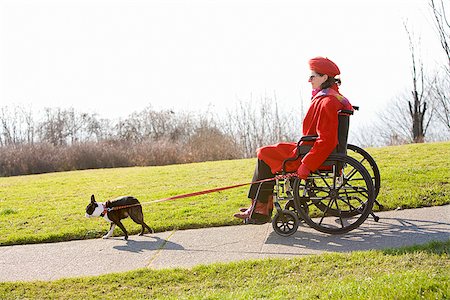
(285, 223)
(290, 206)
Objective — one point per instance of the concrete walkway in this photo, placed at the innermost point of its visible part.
(187, 248)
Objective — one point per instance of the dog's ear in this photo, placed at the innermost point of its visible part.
(92, 199)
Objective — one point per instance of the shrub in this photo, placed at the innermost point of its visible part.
(45, 158)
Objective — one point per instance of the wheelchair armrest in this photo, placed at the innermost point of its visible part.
(308, 138)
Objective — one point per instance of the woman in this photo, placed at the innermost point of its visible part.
(321, 120)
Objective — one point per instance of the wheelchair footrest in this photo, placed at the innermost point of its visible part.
(258, 219)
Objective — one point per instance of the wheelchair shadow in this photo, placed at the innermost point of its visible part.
(387, 233)
(142, 244)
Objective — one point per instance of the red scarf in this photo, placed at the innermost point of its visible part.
(332, 91)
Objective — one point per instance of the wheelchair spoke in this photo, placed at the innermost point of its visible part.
(355, 171)
(335, 201)
(358, 190)
(323, 179)
(347, 199)
(323, 216)
(340, 215)
(351, 174)
(330, 206)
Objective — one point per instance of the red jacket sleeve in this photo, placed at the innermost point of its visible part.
(326, 129)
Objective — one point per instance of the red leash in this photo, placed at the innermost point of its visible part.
(207, 191)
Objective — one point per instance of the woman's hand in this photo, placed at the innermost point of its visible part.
(303, 171)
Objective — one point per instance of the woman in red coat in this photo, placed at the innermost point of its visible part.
(321, 120)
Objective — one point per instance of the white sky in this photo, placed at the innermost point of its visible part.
(114, 57)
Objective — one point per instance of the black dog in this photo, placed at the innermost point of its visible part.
(129, 207)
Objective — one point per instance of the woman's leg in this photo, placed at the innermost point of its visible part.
(261, 195)
(261, 191)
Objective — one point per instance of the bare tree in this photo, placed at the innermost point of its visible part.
(394, 125)
(99, 129)
(441, 83)
(7, 127)
(76, 124)
(16, 126)
(54, 128)
(155, 125)
(408, 121)
(440, 93)
(443, 27)
(30, 125)
(418, 105)
(255, 124)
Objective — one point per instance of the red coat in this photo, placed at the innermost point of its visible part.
(322, 120)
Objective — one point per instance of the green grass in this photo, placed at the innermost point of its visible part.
(420, 272)
(50, 207)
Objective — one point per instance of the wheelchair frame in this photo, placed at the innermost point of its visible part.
(336, 198)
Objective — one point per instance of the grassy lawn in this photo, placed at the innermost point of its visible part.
(421, 272)
(50, 207)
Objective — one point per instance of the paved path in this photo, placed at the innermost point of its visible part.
(187, 248)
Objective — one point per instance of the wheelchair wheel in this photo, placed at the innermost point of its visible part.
(338, 200)
(285, 223)
(369, 163)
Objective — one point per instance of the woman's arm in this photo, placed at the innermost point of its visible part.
(326, 128)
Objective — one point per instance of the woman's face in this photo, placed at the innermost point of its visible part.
(317, 79)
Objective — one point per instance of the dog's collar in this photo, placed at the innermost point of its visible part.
(105, 211)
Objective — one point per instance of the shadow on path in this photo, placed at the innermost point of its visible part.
(387, 233)
(154, 243)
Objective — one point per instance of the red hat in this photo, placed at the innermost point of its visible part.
(323, 65)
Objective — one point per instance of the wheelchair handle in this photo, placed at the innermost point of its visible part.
(345, 112)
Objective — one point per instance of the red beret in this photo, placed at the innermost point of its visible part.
(323, 65)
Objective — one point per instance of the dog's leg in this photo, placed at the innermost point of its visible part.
(150, 230)
(140, 221)
(110, 232)
(143, 228)
(123, 228)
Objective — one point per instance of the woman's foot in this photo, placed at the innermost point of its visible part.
(262, 213)
(257, 213)
(245, 212)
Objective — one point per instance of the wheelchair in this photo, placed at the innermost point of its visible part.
(336, 198)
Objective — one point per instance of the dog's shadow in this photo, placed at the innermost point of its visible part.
(150, 243)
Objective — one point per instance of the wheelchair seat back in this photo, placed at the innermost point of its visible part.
(343, 127)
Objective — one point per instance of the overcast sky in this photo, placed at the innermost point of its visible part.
(115, 57)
